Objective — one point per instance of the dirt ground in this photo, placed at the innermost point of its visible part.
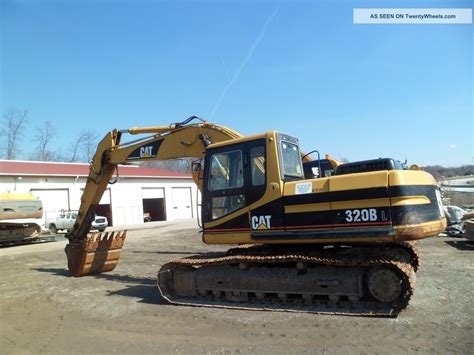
(42, 309)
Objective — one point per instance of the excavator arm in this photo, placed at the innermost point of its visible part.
(179, 140)
(99, 252)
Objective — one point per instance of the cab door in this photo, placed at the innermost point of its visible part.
(267, 211)
(224, 200)
(263, 215)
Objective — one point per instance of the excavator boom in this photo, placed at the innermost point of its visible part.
(179, 140)
(100, 252)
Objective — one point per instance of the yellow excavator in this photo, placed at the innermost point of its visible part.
(20, 218)
(339, 241)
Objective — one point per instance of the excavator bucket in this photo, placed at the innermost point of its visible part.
(99, 252)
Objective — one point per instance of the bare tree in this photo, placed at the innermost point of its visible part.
(90, 139)
(74, 148)
(176, 165)
(13, 123)
(82, 148)
(44, 135)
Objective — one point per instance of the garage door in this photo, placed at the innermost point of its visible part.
(154, 204)
(181, 197)
(53, 200)
(105, 200)
(155, 192)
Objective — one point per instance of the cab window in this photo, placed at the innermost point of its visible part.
(257, 165)
(224, 205)
(226, 171)
(292, 166)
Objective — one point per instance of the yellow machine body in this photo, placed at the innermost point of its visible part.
(254, 192)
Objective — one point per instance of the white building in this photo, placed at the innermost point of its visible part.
(164, 195)
(459, 184)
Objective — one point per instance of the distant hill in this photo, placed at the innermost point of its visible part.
(439, 172)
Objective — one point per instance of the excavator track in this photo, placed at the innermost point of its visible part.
(402, 251)
(369, 280)
(18, 232)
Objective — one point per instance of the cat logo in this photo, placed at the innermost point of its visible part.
(146, 152)
(261, 222)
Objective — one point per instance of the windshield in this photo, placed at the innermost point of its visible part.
(292, 167)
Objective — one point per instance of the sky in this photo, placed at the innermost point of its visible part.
(300, 67)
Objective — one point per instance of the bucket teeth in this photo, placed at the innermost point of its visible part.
(109, 240)
(99, 252)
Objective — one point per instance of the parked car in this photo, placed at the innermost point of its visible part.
(100, 223)
(65, 221)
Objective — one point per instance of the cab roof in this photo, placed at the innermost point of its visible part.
(269, 134)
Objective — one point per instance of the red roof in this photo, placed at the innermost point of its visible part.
(36, 168)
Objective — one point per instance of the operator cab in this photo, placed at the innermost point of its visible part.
(237, 175)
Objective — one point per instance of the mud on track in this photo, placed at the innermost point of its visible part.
(42, 309)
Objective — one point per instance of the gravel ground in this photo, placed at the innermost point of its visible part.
(44, 310)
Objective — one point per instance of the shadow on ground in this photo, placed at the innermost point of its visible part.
(109, 277)
(54, 271)
(169, 252)
(461, 244)
(146, 293)
(126, 279)
(39, 240)
(143, 288)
